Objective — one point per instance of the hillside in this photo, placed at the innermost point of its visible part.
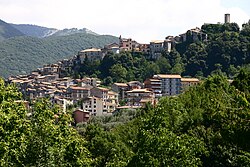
(34, 30)
(8, 31)
(22, 54)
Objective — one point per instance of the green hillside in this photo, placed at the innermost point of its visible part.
(20, 55)
(7, 31)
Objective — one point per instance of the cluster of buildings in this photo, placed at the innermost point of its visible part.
(89, 97)
(136, 94)
(85, 93)
(153, 50)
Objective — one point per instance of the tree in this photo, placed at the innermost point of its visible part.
(118, 72)
(42, 139)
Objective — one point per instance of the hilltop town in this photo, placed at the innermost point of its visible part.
(180, 101)
(50, 81)
(90, 97)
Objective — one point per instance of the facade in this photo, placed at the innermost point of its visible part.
(77, 93)
(91, 54)
(170, 84)
(159, 46)
(112, 102)
(121, 89)
(113, 47)
(187, 82)
(194, 34)
(139, 97)
(109, 98)
(81, 116)
(62, 102)
(49, 69)
(144, 48)
(154, 85)
(99, 106)
(88, 81)
(135, 85)
(127, 44)
(100, 92)
(156, 48)
(93, 105)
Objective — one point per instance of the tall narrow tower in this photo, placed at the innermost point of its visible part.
(227, 18)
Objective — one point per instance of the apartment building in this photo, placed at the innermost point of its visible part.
(76, 93)
(154, 85)
(121, 89)
(93, 105)
(170, 84)
(139, 97)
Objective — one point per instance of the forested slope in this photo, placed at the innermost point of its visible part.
(20, 55)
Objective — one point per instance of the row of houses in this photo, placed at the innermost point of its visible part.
(137, 94)
(154, 49)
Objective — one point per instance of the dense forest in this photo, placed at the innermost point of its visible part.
(225, 51)
(208, 125)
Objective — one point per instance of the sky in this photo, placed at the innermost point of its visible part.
(141, 20)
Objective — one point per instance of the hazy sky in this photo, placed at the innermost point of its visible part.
(143, 20)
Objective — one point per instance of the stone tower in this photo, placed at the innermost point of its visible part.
(227, 18)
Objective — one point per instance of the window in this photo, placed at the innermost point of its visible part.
(94, 106)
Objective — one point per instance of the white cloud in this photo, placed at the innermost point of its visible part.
(142, 20)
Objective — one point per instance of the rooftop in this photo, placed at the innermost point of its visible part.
(157, 41)
(121, 84)
(79, 88)
(91, 50)
(189, 80)
(139, 91)
(168, 76)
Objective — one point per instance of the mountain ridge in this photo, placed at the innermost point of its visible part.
(43, 32)
(8, 31)
(26, 47)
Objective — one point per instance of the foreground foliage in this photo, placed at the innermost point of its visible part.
(42, 139)
(208, 125)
